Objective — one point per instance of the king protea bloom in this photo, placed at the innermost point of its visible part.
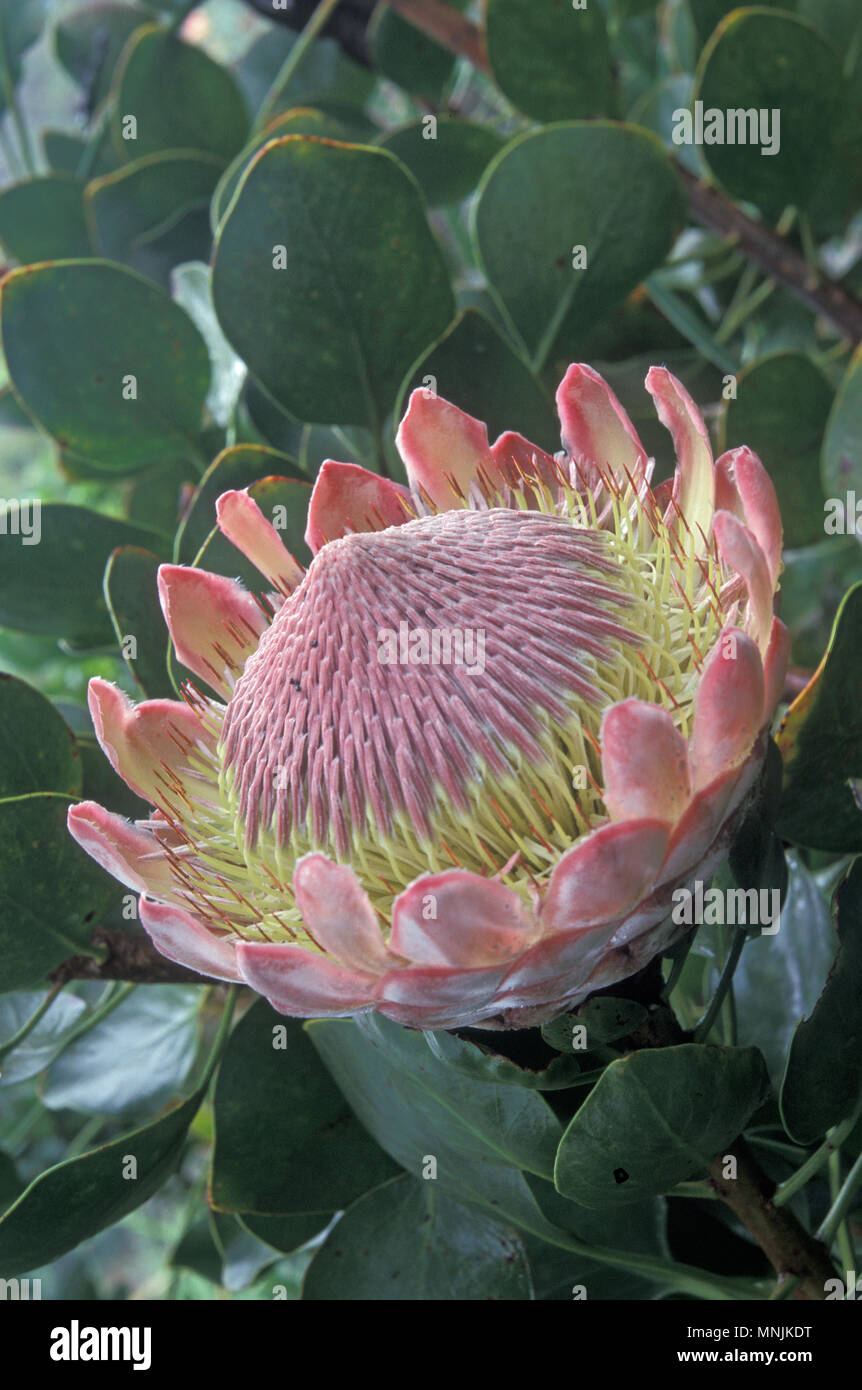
(455, 770)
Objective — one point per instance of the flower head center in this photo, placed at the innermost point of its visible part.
(436, 685)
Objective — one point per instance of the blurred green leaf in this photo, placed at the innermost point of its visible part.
(35, 590)
(821, 743)
(655, 110)
(180, 98)
(841, 462)
(409, 57)
(156, 496)
(105, 362)
(286, 1141)
(778, 977)
(52, 894)
(446, 159)
(307, 445)
(20, 27)
(38, 752)
(708, 14)
(404, 1241)
(232, 470)
(198, 1250)
(813, 584)
(11, 1183)
(608, 189)
(552, 61)
(89, 42)
(191, 285)
(131, 594)
(42, 219)
(762, 62)
(65, 151)
(657, 1118)
(284, 1233)
(483, 1121)
(475, 366)
(823, 1079)
(324, 73)
(134, 1060)
(780, 411)
(81, 1196)
(303, 120)
(131, 207)
(44, 1041)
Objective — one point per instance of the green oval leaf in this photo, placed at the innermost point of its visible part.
(841, 464)
(552, 61)
(781, 408)
(89, 42)
(35, 592)
(474, 365)
(821, 744)
(408, 57)
(569, 220)
(38, 752)
(823, 1078)
(133, 206)
(52, 894)
(303, 120)
(757, 62)
(104, 361)
(447, 158)
(43, 219)
(44, 1041)
(134, 1060)
(20, 27)
(131, 595)
(405, 1241)
(235, 468)
(363, 288)
(485, 1122)
(81, 1196)
(179, 97)
(655, 1119)
(285, 1140)
(416, 1108)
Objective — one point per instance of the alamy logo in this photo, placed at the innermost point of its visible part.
(734, 126)
(728, 906)
(20, 1289)
(77, 1343)
(843, 515)
(432, 646)
(21, 518)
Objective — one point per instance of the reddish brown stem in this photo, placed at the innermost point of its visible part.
(792, 1252)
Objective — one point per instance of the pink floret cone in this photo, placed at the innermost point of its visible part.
(456, 769)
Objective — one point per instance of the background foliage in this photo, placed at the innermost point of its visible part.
(412, 249)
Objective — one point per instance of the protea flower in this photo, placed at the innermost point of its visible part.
(347, 824)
